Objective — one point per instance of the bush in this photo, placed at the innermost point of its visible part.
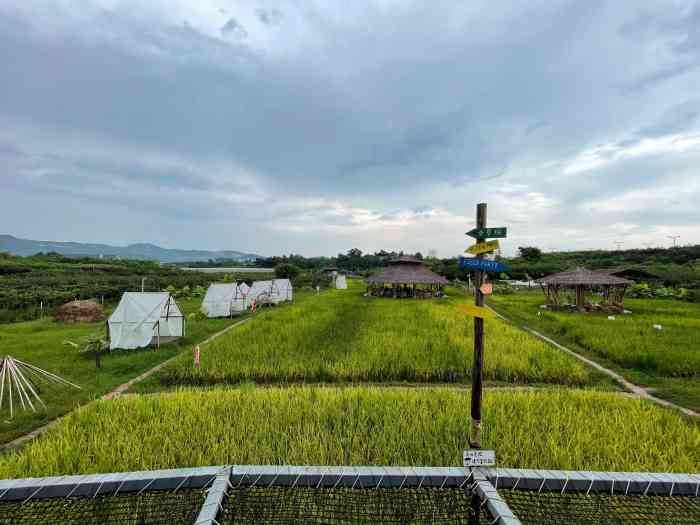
(503, 289)
(287, 271)
(640, 290)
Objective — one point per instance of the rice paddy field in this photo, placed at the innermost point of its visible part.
(562, 428)
(340, 379)
(341, 336)
(42, 343)
(666, 360)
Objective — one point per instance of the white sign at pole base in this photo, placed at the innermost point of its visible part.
(479, 458)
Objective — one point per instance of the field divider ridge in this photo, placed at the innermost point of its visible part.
(125, 386)
(627, 385)
(114, 393)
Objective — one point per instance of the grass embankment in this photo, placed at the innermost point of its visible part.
(667, 360)
(341, 336)
(41, 343)
(554, 428)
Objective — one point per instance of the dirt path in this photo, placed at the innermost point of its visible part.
(627, 385)
(125, 386)
(17, 442)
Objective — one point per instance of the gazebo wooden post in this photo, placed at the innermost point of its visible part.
(580, 296)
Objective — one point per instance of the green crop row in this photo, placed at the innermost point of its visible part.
(554, 428)
(341, 336)
(672, 348)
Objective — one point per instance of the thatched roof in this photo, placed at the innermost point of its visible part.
(406, 270)
(584, 277)
(80, 312)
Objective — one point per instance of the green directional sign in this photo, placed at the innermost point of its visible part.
(486, 233)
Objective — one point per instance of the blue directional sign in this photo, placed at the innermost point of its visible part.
(473, 263)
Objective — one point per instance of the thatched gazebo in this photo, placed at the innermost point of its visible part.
(80, 312)
(405, 277)
(580, 280)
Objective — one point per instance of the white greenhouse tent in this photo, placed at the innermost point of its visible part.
(223, 300)
(281, 290)
(341, 283)
(243, 288)
(143, 319)
(270, 292)
(261, 292)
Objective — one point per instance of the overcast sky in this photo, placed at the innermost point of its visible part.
(314, 127)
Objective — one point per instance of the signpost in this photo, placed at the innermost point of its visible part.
(482, 232)
(476, 263)
(480, 266)
(483, 247)
(476, 311)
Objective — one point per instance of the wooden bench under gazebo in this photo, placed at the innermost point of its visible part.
(579, 280)
(405, 277)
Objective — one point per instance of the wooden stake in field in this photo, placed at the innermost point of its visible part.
(19, 379)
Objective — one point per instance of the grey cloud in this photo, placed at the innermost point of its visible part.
(233, 28)
(676, 119)
(677, 30)
(377, 108)
(269, 17)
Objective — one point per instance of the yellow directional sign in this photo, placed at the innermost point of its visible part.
(483, 247)
(476, 311)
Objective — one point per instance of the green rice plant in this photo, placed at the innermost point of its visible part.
(666, 359)
(302, 425)
(629, 340)
(42, 343)
(341, 336)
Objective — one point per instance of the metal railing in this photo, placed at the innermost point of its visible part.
(488, 489)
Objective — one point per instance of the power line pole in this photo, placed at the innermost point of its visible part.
(674, 237)
(143, 284)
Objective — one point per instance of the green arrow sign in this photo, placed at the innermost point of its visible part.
(486, 233)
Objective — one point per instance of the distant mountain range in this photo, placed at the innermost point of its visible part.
(142, 251)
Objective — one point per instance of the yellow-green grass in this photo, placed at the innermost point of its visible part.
(667, 360)
(341, 336)
(552, 428)
(41, 343)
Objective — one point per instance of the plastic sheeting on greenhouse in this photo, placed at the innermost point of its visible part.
(243, 288)
(261, 292)
(144, 318)
(341, 283)
(281, 290)
(266, 292)
(223, 299)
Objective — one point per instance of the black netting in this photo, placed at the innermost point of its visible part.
(147, 508)
(532, 507)
(280, 505)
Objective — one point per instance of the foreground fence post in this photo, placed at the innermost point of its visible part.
(215, 498)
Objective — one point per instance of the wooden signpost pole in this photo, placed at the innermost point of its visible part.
(476, 457)
(477, 370)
